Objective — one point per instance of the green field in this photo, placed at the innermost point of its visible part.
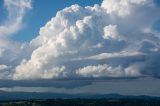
(83, 102)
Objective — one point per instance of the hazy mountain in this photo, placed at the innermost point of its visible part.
(34, 95)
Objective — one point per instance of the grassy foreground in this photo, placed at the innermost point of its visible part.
(83, 102)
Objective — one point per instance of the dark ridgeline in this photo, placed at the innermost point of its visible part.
(51, 99)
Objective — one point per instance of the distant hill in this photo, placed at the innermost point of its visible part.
(34, 95)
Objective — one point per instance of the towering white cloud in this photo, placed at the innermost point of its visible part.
(99, 41)
(122, 7)
(110, 32)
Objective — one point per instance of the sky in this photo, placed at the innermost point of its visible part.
(111, 46)
(46, 12)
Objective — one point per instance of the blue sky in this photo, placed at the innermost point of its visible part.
(84, 46)
(41, 12)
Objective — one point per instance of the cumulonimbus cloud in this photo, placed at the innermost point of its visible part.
(108, 40)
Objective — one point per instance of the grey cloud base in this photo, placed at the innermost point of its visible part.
(142, 86)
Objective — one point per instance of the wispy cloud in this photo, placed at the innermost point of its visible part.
(16, 10)
(9, 49)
